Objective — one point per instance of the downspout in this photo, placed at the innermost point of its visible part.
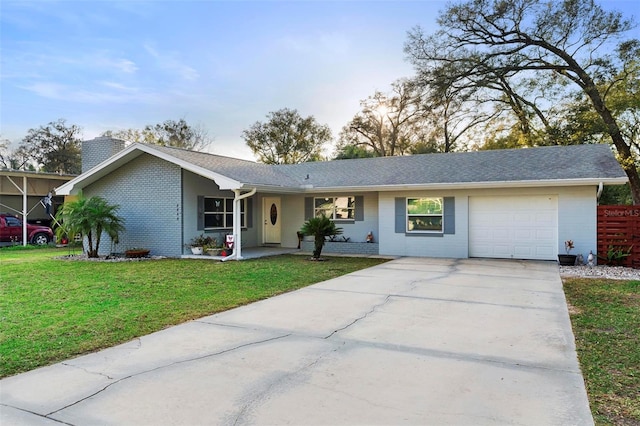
(237, 225)
(599, 193)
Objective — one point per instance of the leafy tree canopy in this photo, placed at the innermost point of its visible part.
(56, 147)
(527, 57)
(388, 124)
(178, 134)
(287, 138)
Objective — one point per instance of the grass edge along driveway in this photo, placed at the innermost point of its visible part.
(605, 316)
(52, 309)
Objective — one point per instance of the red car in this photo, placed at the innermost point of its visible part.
(11, 231)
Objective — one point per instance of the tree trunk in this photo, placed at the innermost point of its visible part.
(318, 244)
(625, 157)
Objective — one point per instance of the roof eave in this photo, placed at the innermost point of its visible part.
(471, 185)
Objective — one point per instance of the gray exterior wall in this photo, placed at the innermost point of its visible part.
(95, 151)
(577, 221)
(195, 186)
(160, 204)
(293, 217)
(148, 191)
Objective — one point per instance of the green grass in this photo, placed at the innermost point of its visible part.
(606, 322)
(51, 310)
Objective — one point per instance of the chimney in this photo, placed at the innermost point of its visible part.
(96, 150)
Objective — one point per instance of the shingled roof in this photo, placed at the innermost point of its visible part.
(552, 166)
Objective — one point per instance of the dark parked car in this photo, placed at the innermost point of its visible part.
(11, 231)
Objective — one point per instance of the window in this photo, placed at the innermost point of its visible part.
(218, 213)
(424, 215)
(335, 208)
(12, 221)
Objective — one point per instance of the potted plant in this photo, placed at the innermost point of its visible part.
(567, 259)
(201, 243)
(214, 250)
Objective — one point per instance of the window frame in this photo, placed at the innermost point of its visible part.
(408, 215)
(351, 210)
(225, 213)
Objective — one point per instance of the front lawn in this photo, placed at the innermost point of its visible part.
(52, 310)
(606, 322)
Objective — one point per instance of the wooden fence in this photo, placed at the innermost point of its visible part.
(619, 235)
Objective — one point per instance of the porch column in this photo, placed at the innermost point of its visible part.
(237, 221)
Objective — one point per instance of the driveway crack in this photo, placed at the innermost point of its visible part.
(366, 314)
(261, 395)
(244, 345)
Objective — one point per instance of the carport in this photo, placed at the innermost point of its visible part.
(21, 193)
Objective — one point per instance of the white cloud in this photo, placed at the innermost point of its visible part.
(119, 86)
(120, 95)
(125, 66)
(169, 61)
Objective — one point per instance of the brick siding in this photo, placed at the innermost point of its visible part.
(95, 151)
(362, 248)
(148, 191)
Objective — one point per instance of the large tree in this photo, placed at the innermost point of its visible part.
(13, 159)
(55, 147)
(178, 134)
(531, 50)
(287, 138)
(388, 124)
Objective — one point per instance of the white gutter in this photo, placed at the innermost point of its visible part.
(467, 185)
(237, 224)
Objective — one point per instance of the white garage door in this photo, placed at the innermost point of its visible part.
(514, 227)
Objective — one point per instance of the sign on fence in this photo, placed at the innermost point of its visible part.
(619, 235)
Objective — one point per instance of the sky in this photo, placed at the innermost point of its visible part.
(111, 65)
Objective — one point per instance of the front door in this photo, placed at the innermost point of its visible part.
(271, 214)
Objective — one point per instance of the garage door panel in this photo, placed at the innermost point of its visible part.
(522, 227)
(544, 218)
(525, 234)
(523, 218)
(500, 234)
(502, 250)
(522, 252)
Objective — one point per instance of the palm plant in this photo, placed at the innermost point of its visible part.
(320, 227)
(90, 217)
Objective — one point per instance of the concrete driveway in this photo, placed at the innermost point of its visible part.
(413, 341)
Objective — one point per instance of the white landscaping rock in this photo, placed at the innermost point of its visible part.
(600, 271)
